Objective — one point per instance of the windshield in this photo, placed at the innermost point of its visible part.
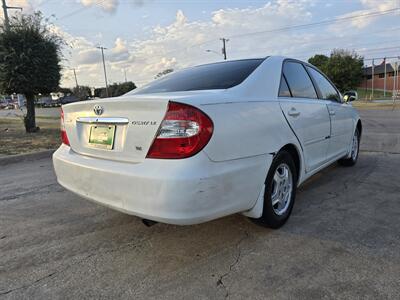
(221, 75)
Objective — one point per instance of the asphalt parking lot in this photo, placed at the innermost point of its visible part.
(342, 240)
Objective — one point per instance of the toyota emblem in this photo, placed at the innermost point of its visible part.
(98, 109)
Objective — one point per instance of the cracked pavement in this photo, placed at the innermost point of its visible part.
(342, 240)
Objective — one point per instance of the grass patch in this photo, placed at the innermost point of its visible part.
(14, 139)
(364, 94)
(375, 105)
(47, 118)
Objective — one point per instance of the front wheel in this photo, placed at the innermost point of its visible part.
(280, 191)
(355, 149)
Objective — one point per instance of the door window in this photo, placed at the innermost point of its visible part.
(328, 92)
(298, 80)
(284, 89)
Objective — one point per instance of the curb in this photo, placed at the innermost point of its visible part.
(25, 157)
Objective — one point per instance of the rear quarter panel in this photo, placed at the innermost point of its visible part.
(245, 129)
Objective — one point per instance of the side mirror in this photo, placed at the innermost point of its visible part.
(350, 96)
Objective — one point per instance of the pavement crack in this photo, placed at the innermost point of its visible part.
(35, 190)
(78, 262)
(238, 257)
(52, 274)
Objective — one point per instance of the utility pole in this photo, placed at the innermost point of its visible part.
(224, 41)
(125, 75)
(396, 76)
(76, 79)
(384, 80)
(5, 12)
(373, 75)
(104, 67)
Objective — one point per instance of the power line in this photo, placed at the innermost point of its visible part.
(366, 15)
(336, 39)
(288, 28)
(322, 50)
(294, 27)
(79, 10)
(281, 29)
(43, 3)
(395, 48)
(386, 57)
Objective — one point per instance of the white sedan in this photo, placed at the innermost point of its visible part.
(209, 141)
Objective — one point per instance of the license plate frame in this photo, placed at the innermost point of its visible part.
(102, 136)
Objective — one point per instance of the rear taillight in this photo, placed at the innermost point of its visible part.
(184, 131)
(64, 137)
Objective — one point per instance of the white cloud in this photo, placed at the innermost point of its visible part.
(184, 42)
(120, 52)
(369, 6)
(380, 5)
(107, 5)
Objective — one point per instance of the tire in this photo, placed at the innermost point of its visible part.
(275, 216)
(355, 149)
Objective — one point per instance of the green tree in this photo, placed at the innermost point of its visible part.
(81, 92)
(115, 89)
(320, 61)
(343, 67)
(162, 73)
(30, 55)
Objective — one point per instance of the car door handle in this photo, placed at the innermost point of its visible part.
(293, 112)
(332, 112)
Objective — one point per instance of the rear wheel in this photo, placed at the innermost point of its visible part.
(355, 148)
(280, 191)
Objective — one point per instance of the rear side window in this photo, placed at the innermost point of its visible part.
(222, 75)
(327, 90)
(284, 89)
(298, 80)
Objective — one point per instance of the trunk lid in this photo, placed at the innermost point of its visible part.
(130, 124)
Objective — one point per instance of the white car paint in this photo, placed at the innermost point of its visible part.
(251, 124)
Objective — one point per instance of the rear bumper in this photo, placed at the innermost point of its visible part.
(186, 191)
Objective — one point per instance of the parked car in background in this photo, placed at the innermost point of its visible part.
(69, 99)
(11, 105)
(209, 141)
(6, 103)
(45, 101)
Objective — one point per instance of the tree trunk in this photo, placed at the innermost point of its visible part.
(29, 119)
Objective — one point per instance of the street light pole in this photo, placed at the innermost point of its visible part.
(76, 79)
(5, 12)
(104, 67)
(6, 20)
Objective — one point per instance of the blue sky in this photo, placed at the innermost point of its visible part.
(144, 37)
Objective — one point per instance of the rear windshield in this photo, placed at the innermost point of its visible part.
(222, 75)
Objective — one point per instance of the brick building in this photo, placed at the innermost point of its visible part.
(379, 77)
